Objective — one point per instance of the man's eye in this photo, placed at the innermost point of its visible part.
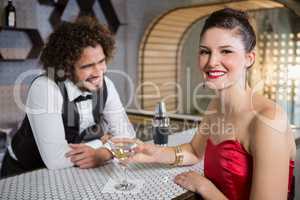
(85, 66)
(101, 61)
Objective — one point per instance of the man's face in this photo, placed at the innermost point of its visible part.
(90, 68)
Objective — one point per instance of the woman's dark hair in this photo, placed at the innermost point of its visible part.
(66, 44)
(229, 18)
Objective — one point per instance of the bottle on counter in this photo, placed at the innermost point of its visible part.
(10, 17)
(161, 124)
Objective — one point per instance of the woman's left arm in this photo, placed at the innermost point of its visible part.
(270, 150)
(196, 182)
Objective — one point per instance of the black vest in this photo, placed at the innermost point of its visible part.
(24, 145)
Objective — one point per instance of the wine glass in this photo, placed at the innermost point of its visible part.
(121, 149)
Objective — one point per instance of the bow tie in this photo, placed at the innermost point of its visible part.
(83, 98)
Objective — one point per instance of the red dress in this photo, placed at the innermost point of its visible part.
(229, 166)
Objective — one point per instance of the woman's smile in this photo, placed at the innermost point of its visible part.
(214, 74)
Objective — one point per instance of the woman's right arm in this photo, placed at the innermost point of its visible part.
(43, 108)
(192, 152)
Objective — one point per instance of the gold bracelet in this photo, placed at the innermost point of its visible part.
(178, 156)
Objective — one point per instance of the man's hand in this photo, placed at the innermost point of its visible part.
(86, 157)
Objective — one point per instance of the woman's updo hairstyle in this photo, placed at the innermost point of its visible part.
(229, 18)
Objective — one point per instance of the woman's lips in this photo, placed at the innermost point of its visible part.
(214, 74)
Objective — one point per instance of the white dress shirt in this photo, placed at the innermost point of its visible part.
(44, 111)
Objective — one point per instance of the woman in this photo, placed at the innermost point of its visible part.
(252, 156)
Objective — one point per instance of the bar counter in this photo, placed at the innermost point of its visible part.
(75, 183)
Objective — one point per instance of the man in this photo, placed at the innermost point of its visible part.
(71, 104)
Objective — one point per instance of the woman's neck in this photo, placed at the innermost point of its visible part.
(233, 100)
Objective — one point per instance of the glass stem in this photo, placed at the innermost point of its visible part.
(125, 175)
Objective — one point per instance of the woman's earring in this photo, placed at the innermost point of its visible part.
(203, 86)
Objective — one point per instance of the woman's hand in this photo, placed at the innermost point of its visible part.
(106, 137)
(195, 182)
(145, 153)
(192, 181)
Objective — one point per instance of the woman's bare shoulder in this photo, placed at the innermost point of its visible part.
(264, 108)
(270, 124)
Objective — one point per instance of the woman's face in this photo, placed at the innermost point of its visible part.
(223, 59)
(90, 68)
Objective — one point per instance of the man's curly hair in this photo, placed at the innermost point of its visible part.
(66, 44)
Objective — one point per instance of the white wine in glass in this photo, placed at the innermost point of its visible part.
(121, 148)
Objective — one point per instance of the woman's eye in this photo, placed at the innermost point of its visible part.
(203, 52)
(226, 51)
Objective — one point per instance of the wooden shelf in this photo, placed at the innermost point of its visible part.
(85, 8)
(36, 42)
(47, 2)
